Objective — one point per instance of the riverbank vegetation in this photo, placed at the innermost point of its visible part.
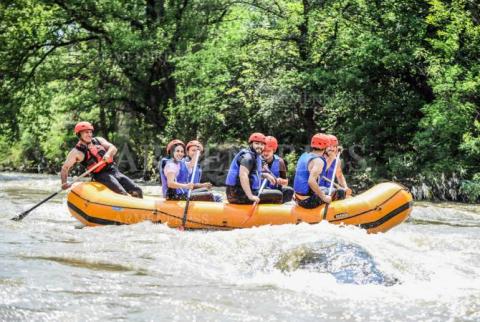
(398, 80)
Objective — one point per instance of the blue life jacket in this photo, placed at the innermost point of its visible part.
(234, 171)
(329, 174)
(300, 182)
(182, 176)
(275, 170)
(198, 173)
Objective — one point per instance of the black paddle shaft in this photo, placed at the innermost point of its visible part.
(325, 212)
(25, 213)
(184, 218)
(185, 211)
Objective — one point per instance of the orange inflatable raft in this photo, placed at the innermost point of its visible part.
(379, 209)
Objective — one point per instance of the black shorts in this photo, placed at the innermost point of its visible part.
(196, 195)
(287, 193)
(117, 182)
(311, 202)
(236, 195)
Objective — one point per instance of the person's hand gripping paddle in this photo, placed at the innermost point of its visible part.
(255, 204)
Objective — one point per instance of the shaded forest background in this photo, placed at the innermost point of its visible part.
(400, 79)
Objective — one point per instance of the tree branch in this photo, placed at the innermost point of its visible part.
(287, 38)
(83, 22)
(255, 4)
(51, 50)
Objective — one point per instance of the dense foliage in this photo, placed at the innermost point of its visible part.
(398, 79)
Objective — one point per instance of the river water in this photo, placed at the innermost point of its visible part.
(427, 269)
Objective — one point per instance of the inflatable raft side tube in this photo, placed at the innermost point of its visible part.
(387, 217)
(89, 220)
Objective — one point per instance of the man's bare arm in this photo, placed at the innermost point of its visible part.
(73, 157)
(245, 181)
(316, 168)
(111, 149)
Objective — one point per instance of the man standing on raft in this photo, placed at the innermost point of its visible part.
(311, 167)
(244, 178)
(89, 151)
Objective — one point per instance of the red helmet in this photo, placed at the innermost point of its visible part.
(320, 141)
(194, 143)
(173, 143)
(271, 143)
(257, 137)
(82, 126)
(333, 140)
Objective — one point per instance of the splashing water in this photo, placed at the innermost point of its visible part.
(427, 269)
(347, 263)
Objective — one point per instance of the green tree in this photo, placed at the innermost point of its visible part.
(449, 136)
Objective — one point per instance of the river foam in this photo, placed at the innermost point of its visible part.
(426, 269)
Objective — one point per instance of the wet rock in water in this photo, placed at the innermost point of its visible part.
(348, 263)
(299, 258)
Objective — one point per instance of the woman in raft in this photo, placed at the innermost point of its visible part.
(193, 147)
(175, 173)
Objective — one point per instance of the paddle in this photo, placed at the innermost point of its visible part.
(274, 176)
(332, 181)
(25, 213)
(255, 204)
(335, 184)
(185, 211)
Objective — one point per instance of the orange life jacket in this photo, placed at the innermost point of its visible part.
(92, 155)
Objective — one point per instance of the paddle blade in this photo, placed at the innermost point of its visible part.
(251, 213)
(21, 216)
(26, 212)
